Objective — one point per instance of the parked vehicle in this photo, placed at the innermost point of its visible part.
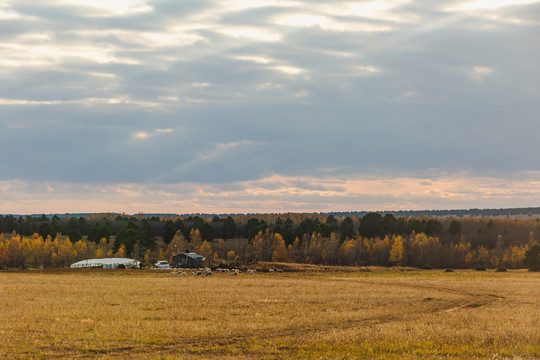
(162, 264)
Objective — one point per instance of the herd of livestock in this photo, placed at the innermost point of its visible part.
(207, 271)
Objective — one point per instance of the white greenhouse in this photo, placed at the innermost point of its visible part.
(107, 263)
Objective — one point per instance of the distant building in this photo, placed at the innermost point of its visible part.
(187, 260)
(107, 263)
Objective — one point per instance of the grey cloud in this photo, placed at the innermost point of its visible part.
(420, 111)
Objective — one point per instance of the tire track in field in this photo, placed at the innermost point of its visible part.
(470, 300)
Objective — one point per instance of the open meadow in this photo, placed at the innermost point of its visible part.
(330, 314)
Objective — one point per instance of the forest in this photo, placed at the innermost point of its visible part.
(370, 239)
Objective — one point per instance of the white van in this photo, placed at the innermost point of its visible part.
(162, 264)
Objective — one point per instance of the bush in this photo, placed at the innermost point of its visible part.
(427, 267)
(448, 270)
(480, 268)
(501, 269)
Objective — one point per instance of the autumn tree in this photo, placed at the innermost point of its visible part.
(396, 251)
(279, 248)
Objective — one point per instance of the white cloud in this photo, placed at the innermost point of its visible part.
(252, 33)
(166, 38)
(7, 13)
(328, 23)
(200, 84)
(238, 5)
(290, 70)
(147, 134)
(164, 131)
(375, 10)
(489, 4)
(301, 94)
(141, 135)
(269, 86)
(479, 72)
(368, 69)
(25, 54)
(109, 8)
(255, 58)
(85, 102)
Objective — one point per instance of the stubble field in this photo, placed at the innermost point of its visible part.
(144, 314)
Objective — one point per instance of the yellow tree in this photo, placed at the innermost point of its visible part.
(262, 245)
(232, 257)
(293, 251)
(195, 239)
(330, 248)
(280, 250)
(482, 257)
(54, 259)
(347, 252)
(14, 251)
(205, 250)
(396, 251)
(121, 251)
(380, 250)
(313, 248)
(3, 251)
(178, 244)
(28, 253)
(81, 248)
(161, 256)
(146, 261)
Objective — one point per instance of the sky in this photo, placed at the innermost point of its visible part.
(237, 106)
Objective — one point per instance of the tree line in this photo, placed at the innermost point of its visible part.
(373, 239)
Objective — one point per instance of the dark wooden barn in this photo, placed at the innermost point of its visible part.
(187, 260)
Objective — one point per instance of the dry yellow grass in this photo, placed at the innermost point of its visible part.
(332, 315)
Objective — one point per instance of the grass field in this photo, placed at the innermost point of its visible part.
(331, 314)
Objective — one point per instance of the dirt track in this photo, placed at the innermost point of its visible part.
(469, 299)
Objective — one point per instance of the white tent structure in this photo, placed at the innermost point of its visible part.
(107, 263)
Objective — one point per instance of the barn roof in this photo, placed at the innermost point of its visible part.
(191, 255)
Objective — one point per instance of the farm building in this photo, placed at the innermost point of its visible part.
(187, 260)
(107, 263)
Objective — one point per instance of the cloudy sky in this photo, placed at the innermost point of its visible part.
(268, 105)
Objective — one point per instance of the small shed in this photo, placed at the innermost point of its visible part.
(187, 260)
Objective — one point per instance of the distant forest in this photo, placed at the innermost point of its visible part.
(504, 237)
